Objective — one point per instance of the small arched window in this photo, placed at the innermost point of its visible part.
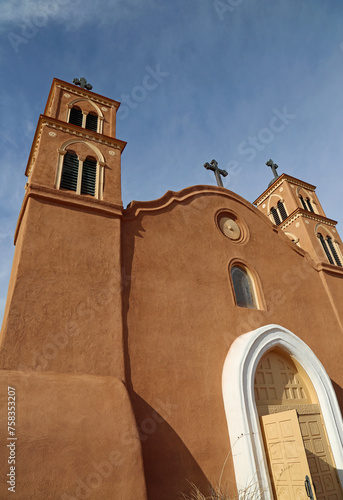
(243, 288)
(325, 248)
(333, 251)
(282, 210)
(77, 175)
(70, 171)
(303, 202)
(82, 119)
(275, 215)
(88, 180)
(309, 204)
(92, 122)
(76, 116)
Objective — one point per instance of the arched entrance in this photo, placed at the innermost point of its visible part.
(242, 411)
(296, 445)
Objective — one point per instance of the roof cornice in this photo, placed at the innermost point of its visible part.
(278, 181)
(74, 130)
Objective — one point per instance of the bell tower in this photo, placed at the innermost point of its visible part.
(293, 205)
(61, 350)
(65, 286)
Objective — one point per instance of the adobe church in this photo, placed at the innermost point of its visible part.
(196, 338)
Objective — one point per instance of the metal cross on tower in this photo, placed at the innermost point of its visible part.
(83, 83)
(273, 166)
(217, 171)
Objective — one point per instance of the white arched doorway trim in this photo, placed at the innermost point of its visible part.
(240, 408)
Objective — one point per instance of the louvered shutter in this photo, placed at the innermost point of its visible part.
(333, 251)
(275, 216)
(75, 117)
(88, 181)
(70, 171)
(282, 210)
(325, 247)
(310, 207)
(92, 122)
(303, 202)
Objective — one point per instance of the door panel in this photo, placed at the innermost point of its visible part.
(286, 455)
(319, 458)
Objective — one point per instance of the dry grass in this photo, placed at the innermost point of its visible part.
(217, 493)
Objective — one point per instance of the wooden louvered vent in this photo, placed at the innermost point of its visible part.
(76, 116)
(69, 172)
(92, 122)
(334, 252)
(303, 202)
(325, 248)
(310, 207)
(275, 216)
(282, 210)
(88, 181)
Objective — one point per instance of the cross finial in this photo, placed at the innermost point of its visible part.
(217, 171)
(273, 166)
(83, 83)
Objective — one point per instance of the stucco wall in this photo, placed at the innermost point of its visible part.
(180, 319)
(76, 438)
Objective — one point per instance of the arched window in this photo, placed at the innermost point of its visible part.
(282, 210)
(333, 251)
(92, 121)
(76, 116)
(310, 207)
(77, 175)
(82, 119)
(307, 204)
(243, 288)
(325, 248)
(70, 171)
(275, 215)
(88, 180)
(330, 250)
(303, 202)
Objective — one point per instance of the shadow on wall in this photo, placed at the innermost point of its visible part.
(339, 393)
(168, 464)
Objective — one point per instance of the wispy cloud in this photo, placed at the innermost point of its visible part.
(73, 13)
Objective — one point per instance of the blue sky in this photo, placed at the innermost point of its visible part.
(228, 69)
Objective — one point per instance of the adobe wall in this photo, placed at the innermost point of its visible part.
(180, 319)
(64, 302)
(76, 438)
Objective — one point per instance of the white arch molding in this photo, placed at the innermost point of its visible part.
(240, 408)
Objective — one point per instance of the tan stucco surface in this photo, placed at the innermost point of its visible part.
(76, 438)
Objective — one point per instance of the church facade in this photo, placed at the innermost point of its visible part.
(196, 338)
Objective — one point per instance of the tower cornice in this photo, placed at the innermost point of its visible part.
(74, 130)
(278, 181)
(300, 212)
(87, 94)
(65, 198)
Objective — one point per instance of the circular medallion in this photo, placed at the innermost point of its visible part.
(52, 134)
(111, 152)
(67, 96)
(104, 109)
(229, 227)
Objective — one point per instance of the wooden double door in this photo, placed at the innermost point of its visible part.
(299, 458)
